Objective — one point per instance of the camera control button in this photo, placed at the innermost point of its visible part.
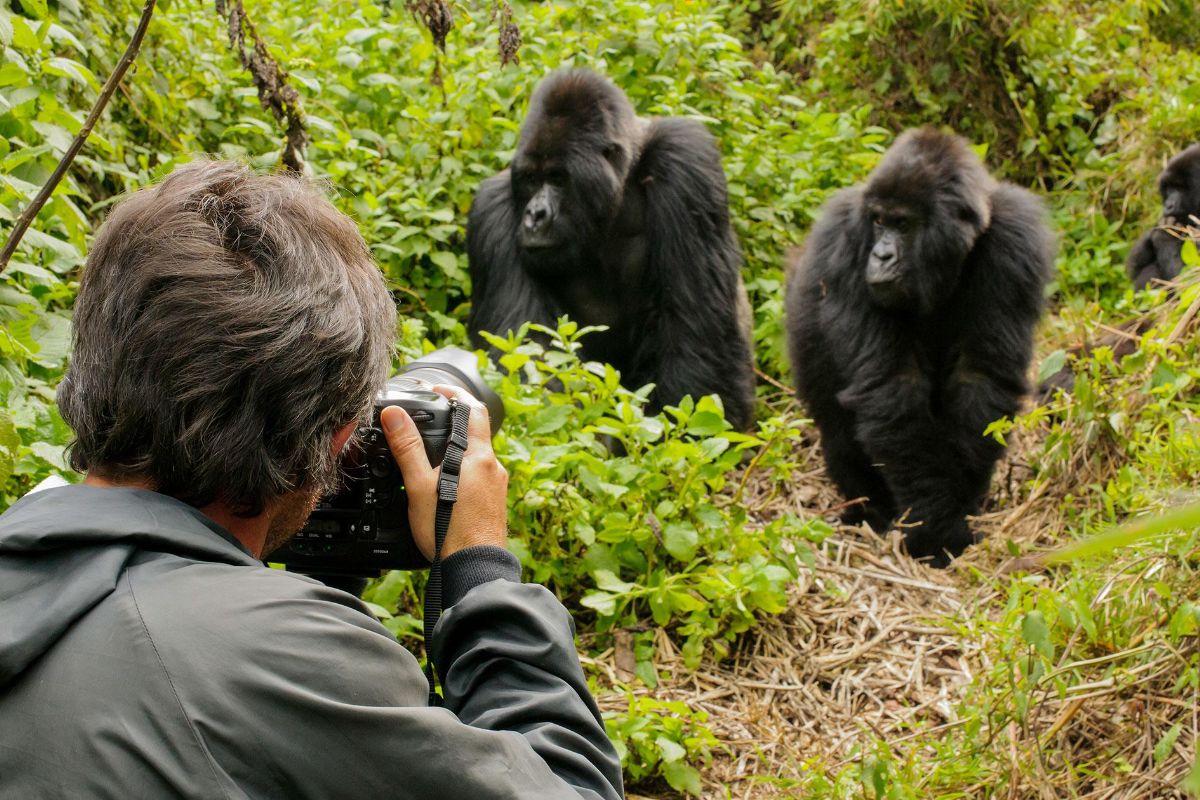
(421, 416)
(382, 466)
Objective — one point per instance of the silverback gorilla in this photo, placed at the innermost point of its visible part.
(911, 312)
(1157, 255)
(620, 221)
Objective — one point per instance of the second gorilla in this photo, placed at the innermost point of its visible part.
(620, 221)
(911, 315)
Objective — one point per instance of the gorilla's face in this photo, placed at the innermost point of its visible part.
(917, 252)
(891, 275)
(568, 175)
(925, 205)
(1179, 185)
(567, 192)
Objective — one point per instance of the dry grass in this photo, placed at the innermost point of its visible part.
(877, 646)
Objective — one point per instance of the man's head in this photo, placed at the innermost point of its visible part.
(228, 325)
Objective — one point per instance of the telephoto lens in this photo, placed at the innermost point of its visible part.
(450, 366)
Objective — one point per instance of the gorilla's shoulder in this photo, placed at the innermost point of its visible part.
(1018, 213)
(681, 149)
(1014, 205)
(492, 190)
(1019, 240)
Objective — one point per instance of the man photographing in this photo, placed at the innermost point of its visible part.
(231, 331)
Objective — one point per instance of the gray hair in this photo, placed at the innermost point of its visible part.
(227, 324)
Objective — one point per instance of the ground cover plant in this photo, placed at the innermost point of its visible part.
(741, 643)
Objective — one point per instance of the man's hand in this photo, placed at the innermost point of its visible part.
(481, 514)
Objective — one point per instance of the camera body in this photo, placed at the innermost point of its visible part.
(363, 528)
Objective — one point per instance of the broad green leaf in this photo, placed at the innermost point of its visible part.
(1166, 744)
(671, 751)
(602, 603)
(550, 419)
(608, 581)
(1191, 257)
(681, 540)
(1051, 364)
(1035, 632)
(682, 777)
(73, 70)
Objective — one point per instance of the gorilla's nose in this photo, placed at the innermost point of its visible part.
(536, 218)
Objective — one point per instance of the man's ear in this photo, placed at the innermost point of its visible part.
(341, 436)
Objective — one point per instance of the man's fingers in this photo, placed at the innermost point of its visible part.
(479, 426)
(406, 445)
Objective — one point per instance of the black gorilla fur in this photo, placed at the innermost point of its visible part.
(911, 313)
(1156, 256)
(619, 221)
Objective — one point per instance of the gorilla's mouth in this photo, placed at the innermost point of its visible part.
(889, 295)
(539, 242)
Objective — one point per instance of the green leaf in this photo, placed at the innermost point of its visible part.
(1051, 364)
(681, 540)
(1036, 633)
(10, 442)
(1191, 256)
(52, 333)
(1166, 744)
(1191, 784)
(607, 580)
(447, 261)
(1185, 518)
(671, 751)
(6, 27)
(602, 603)
(682, 777)
(706, 423)
(550, 419)
(36, 8)
(73, 70)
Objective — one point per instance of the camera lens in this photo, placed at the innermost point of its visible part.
(450, 366)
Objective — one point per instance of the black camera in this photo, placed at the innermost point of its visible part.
(363, 528)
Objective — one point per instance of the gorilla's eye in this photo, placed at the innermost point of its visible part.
(877, 220)
(557, 176)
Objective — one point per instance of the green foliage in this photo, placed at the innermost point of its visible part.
(656, 737)
(1082, 99)
(635, 512)
(638, 521)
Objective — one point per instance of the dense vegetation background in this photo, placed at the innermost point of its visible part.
(1083, 678)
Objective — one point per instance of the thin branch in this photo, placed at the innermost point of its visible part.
(110, 86)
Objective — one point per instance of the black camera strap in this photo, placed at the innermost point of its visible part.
(447, 495)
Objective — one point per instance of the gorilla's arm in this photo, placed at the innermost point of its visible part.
(1142, 265)
(503, 296)
(1001, 304)
(692, 341)
(833, 336)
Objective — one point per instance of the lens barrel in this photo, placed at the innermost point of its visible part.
(449, 366)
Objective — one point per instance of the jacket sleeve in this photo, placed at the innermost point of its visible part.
(506, 655)
(306, 696)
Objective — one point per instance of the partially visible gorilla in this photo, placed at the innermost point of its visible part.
(619, 221)
(911, 313)
(1157, 255)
